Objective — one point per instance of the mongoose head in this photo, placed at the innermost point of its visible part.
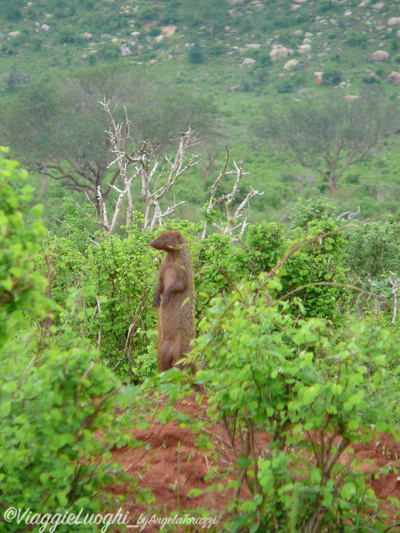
(169, 241)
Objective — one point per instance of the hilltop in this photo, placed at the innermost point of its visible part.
(236, 57)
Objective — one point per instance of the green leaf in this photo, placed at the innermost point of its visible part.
(348, 490)
(9, 387)
(195, 493)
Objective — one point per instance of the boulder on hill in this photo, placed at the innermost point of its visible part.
(394, 21)
(380, 55)
(279, 52)
(290, 64)
(394, 77)
(304, 48)
(168, 31)
(125, 51)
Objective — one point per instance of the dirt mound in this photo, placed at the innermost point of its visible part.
(178, 472)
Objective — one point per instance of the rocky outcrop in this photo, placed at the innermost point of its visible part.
(279, 52)
(394, 21)
(248, 61)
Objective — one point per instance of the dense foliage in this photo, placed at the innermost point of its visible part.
(297, 320)
(56, 395)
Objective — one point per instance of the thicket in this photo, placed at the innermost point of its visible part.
(56, 395)
(279, 351)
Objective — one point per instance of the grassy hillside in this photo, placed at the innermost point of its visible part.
(230, 56)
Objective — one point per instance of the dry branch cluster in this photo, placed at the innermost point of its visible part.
(157, 181)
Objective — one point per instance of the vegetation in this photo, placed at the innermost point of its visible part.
(120, 113)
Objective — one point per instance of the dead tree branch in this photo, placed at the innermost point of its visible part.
(232, 225)
(146, 169)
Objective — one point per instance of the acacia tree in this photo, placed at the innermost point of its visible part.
(329, 134)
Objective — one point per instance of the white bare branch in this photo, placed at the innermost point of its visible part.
(231, 219)
(146, 169)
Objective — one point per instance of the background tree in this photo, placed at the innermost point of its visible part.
(330, 134)
(57, 127)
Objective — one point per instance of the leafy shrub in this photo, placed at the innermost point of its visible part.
(308, 211)
(67, 34)
(371, 78)
(12, 10)
(332, 77)
(171, 12)
(196, 54)
(306, 386)
(354, 38)
(37, 42)
(110, 284)
(55, 395)
(285, 85)
(216, 49)
(146, 13)
(21, 287)
(64, 12)
(325, 5)
(14, 80)
(109, 51)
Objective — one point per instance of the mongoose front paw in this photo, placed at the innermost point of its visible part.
(156, 303)
(165, 301)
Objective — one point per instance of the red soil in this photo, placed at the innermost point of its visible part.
(173, 465)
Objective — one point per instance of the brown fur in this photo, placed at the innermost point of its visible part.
(175, 293)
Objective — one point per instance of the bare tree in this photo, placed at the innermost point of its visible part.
(156, 182)
(232, 219)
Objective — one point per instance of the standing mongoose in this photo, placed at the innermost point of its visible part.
(175, 285)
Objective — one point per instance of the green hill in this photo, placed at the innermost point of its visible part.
(214, 64)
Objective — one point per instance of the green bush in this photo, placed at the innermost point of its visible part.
(58, 424)
(110, 285)
(146, 13)
(285, 85)
(109, 51)
(67, 34)
(354, 38)
(325, 5)
(171, 12)
(196, 54)
(12, 10)
(216, 49)
(309, 388)
(332, 77)
(21, 288)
